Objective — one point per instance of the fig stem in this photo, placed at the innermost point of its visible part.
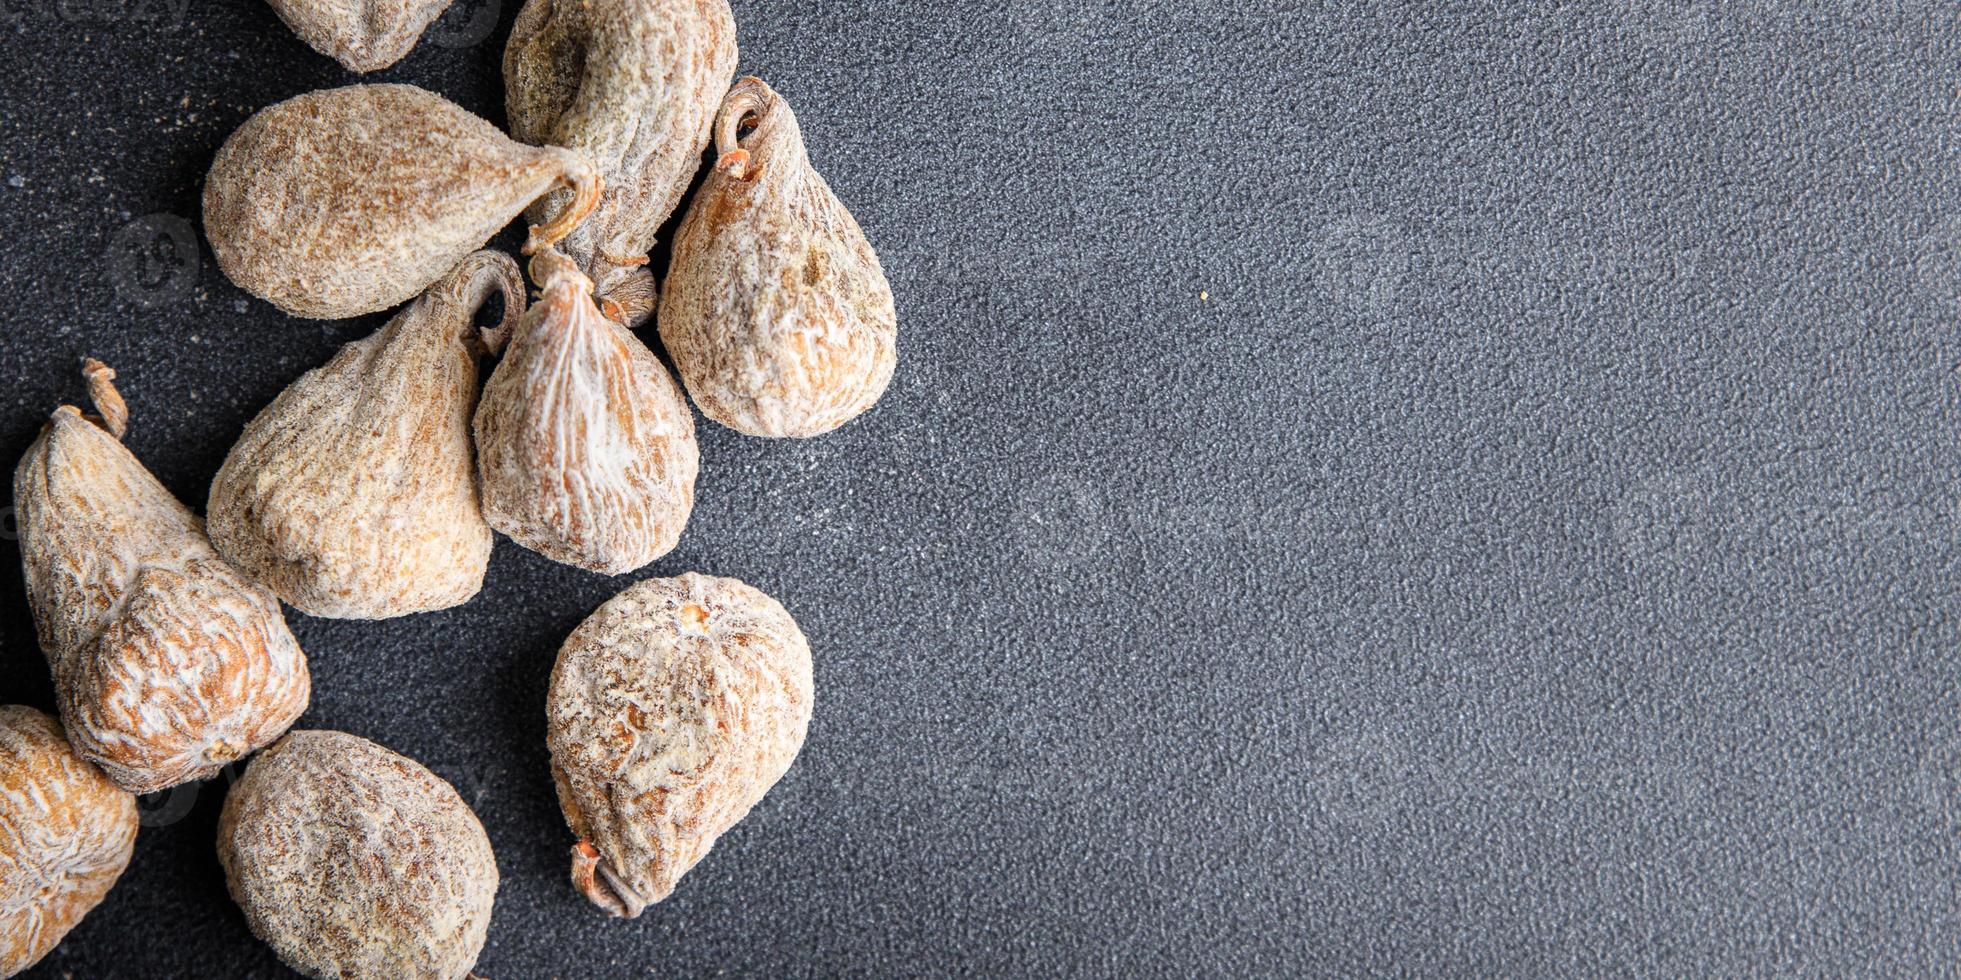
(735, 163)
(481, 273)
(583, 178)
(743, 103)
(604, 890)
(111, 412)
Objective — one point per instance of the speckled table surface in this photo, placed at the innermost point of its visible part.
(1437, 489)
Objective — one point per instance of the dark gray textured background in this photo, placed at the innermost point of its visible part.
(1461, 489)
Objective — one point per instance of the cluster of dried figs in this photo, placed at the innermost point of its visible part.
(374, 485)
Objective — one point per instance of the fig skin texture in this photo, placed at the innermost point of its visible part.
(363, 35)
(351, 200)
(673, 709)
(352, 861)
(66, 834)
(585, 446)
(168, 663)
(776, 311)
(634, 85)
(354, 494)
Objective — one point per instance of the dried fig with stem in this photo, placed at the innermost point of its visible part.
(354, 494)
(363, 35)
(633, 84)
(66, 833)
(585, 446)
(673, 709)
(776, 313)
(167, 662)
(352, 200)
(351, 861)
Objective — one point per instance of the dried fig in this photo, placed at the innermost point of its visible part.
(66, 833)
(354, 494)
(673, 709)
(633, 84)
(363, 35)
(351, 200)
(777, 314)
(585, 446)
(351, 861)
(167, 662)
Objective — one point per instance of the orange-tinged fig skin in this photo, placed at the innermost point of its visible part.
(363, 35)
(66, 834)
(354, 494)
(776, 311)
(351, 200)
(167, 662)
(585, 447)
(673, 710)
(634, 85)
(352, 861)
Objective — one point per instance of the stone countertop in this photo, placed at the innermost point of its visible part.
(1430, 489)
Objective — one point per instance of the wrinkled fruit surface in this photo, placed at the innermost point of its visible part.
(633, 84)
(673, 709)
(352, 861)
(352, 200)
(354, 494)
(167, 662)
(585, 446)
(66, 833)
(363, 35)
(776, 312)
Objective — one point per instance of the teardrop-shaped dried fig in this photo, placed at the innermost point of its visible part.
(363, 35)
(585, 446)
(354, 494)
(351, 200)
(167, 662)
(673, 709)
(66, 833)
(633, 84)
(777, 314)
(354, 862)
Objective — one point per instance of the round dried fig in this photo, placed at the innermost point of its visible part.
(351, 861)
(673, 709)
(776, 312)
(585, 446)
(354, 494)
(66, 833)
(167, 662)
(363, 35)
(352, 200)
(633, 84)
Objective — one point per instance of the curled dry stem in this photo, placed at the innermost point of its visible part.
(740, 108)
(111, 412)
(582, 177)
(596, 881)
(551, 266)
(482, 273)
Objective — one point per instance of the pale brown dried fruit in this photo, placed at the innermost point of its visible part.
(354, 494)
(776, 312)
(352, 861)
(673, 709)
(634, 85)
(167, 662)
(351, 200)
(66, 833)
(585, 446)
(363, 35)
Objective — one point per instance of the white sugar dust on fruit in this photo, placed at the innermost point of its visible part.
(673, 709)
